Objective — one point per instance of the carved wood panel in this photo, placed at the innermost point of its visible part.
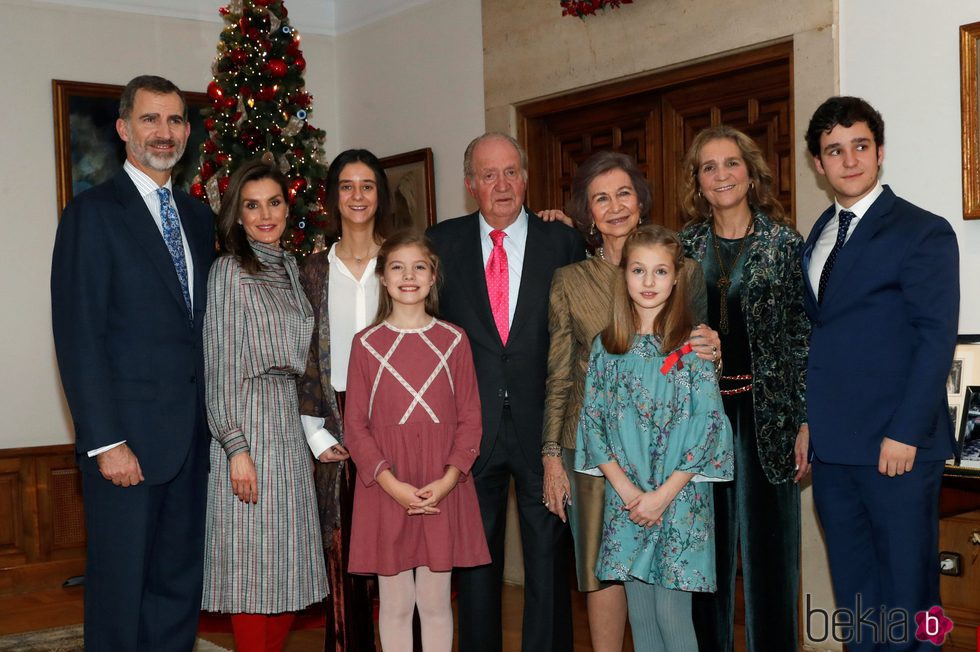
(654, 120)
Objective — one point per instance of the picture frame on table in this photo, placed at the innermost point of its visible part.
(412, 186)
(963, 396)
(88, 150)
(968, 433)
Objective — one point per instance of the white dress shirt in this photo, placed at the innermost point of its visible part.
(825, 242)
(147, 189)
(352, 303)
(514, 245)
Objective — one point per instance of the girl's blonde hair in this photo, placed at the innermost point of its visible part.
(398, 240)
(673, 324)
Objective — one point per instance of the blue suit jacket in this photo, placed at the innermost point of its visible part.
(883, 338)
(131, 360)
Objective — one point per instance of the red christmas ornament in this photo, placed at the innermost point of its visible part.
(254, 33)
(222, 158)
(230, 102)
(207, 170)
(210, 147)
(301, 100)
(210, 124)
(276, 68)
(197, 190)
(245, 91)
(298, 152)
(238, 56)
(224, 11)
(243, 25)
(263, 3)
(299, 237)
(214, 91)
(265, 93)
(293, 49)
(223, 184)
(300, 64)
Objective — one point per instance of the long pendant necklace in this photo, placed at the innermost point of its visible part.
(725, 276)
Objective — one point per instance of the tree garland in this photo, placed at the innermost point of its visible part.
(583, 8)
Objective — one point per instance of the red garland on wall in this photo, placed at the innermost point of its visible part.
(583, 8)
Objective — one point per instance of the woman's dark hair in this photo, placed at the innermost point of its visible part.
(761, 196)
(843, 111)
(231, 235)
(397, 240)
(383, 218)
(674, 322)
(598, 164)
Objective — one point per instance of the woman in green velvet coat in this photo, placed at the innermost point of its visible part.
(751, 263)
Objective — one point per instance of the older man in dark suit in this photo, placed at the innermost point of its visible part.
(128, 289)
(498, 264)
(883, 298)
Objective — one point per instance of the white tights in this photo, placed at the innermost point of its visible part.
(400, 594)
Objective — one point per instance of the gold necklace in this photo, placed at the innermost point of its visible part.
(359, 259)
(725, 275)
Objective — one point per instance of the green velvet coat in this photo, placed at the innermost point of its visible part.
(779, 332)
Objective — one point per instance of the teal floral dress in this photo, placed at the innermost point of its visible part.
(653, 422)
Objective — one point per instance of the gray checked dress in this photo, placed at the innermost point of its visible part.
(262, 558)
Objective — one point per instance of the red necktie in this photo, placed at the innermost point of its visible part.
(498, 285)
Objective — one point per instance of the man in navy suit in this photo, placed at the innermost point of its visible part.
(128, 289)
(510, 352)
(883, 298)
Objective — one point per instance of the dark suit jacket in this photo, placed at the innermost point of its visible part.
(520, 368)
(883, 337)
(131, 361)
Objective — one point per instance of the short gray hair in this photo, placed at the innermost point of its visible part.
(492, 135)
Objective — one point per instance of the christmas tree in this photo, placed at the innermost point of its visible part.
(260, 107)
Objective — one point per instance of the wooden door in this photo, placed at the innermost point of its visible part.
(654, 118)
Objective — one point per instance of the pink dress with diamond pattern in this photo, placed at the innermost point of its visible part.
(413, 407)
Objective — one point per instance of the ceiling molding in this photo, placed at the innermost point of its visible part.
(330, 17)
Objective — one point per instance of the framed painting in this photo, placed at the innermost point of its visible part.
(412, 185)
(968, 436)
(970, 109)
(88, 150)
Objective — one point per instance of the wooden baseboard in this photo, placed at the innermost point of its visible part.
(42, 524)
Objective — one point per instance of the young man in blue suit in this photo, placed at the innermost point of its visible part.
(128, 290)
(883, 298)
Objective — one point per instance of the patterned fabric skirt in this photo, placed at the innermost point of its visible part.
(267, 557)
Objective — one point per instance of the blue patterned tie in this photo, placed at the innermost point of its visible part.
(171, 235)
(843, 221)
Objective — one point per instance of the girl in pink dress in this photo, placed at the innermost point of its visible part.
(413, 427)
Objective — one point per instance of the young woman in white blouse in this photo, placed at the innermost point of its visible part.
(343, 290)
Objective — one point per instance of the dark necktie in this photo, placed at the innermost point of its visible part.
(843, 222)
(171, 236)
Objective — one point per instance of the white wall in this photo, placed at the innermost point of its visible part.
(905, 62)
(415, 80)
(40, 42)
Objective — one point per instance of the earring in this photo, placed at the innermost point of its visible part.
(751, 185)
(699, 194)
(592, 230)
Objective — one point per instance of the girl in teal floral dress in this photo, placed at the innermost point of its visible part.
(653, 424)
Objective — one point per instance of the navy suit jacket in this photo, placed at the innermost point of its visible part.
(520, 367)
(131, 359)
(883, 337)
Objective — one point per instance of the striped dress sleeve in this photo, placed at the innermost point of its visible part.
(224, 337)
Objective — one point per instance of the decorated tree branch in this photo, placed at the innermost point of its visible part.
(583, 8)
(260, 107)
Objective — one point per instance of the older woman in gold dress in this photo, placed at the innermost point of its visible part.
(610, 198)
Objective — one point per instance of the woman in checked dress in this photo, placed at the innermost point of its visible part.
(263, 553)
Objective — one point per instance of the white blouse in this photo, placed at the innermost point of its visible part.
(351, 305)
